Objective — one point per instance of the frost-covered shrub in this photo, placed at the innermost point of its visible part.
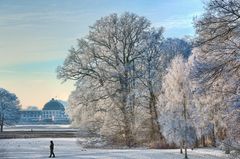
(158, 145)
(235, 154)
(93, 142)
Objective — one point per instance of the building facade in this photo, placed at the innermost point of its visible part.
(52, 112)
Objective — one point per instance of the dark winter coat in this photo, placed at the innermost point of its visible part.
(51, 146)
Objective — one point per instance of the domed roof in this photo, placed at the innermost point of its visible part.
(53, 105)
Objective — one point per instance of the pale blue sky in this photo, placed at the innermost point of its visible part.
(35, 37)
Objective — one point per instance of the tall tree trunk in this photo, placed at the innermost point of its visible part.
(133, 97)
(128, 133)
(2, 121)
(196, 145)
(185, 127)
(203, 141)
(156, 119)
(127, 111)
(127, 121)
(152, 129)
(213, 137)
(155, 132)
(186, 156)
(181, 147)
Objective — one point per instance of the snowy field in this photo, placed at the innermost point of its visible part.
(69, 149)
(54, 127)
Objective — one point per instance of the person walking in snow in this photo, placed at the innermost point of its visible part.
(51, 149)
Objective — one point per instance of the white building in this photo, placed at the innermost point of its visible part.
(52, 112)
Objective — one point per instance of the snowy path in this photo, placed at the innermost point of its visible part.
(69, 149)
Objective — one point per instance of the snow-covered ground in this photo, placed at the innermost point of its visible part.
(53, 127)
(68, 148)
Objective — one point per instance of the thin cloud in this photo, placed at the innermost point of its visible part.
(179, 22)
(29, 19)
(7, 71)
(28, 72)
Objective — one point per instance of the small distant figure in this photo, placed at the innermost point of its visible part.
(51, 149)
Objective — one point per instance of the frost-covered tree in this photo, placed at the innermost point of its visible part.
(9, 108)
(84, 109)
(152, 64)
(178, 99)
(217, 65)
(175, 46)
(218, 40)
(107, 56)
(119, 67)
(157, 56)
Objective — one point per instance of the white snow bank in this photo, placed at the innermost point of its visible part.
(53, 127)
(68, 148)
